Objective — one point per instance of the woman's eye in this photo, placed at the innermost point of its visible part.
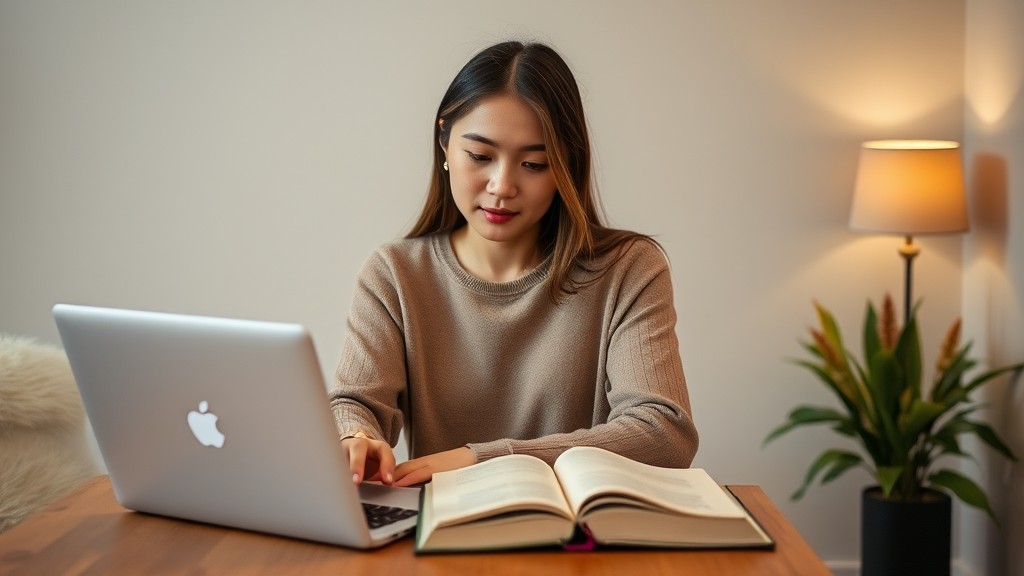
(477, 157)
(535, 166)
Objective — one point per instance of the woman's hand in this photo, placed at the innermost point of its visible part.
(369, 459)
(422, 469)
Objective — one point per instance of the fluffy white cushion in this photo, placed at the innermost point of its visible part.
(43, 453)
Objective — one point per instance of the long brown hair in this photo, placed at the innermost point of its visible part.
(573, 230)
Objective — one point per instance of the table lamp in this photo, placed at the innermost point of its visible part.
(909, 187)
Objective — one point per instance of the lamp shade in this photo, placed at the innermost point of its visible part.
(909, 187)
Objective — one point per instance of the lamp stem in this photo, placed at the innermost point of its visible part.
(909, 250)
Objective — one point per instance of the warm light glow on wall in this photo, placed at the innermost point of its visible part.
(879, 75)
(994, 80)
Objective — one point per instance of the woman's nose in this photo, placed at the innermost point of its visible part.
(501, 182)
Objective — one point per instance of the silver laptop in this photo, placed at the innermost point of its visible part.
(225, 422)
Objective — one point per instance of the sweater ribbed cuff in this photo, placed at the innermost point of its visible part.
(488, 450)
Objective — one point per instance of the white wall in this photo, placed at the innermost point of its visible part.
(993, 296)
(243, 158)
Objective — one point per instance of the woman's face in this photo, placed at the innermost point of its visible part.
(499, 172)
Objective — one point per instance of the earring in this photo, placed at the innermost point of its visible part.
(445, 165)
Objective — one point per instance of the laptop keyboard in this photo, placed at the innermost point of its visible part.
(377, 515)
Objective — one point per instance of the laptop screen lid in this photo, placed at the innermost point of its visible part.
(221, 421)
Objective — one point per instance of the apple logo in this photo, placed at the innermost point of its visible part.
(204, 426)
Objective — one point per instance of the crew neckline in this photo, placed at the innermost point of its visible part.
(443, 246)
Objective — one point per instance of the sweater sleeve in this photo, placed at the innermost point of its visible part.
(649, 418)
(370, 381)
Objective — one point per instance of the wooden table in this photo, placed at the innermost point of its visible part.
(88, 532)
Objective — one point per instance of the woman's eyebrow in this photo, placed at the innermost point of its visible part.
(485, 140)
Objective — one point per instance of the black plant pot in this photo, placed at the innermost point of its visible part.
(905, 538)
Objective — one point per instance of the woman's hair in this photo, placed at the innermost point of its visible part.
(573, 230)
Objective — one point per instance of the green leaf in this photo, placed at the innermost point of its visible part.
(839, 466)
(813, 414)
(813, 350)
(884, 385)
(922, 415)
(872, 341)
(859, 388)
(964, 488)
(947, 435)
(956, 395)
(835, 462)
(806, 415)
(963, 413)
(983, 378)
(887, 478)
(945, 438)
(885, 381)
(908, 354)
(989, 436)
(846, 428)
(849, 402)
(951, 378)
(875, 446)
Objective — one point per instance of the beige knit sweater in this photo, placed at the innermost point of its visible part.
(501, 369)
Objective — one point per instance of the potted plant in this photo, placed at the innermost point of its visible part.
(902, 431)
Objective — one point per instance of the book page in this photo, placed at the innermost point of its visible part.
(587, 473)
(499, 485)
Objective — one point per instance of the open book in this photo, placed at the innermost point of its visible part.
(518, 501)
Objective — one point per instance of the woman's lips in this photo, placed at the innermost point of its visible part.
(498, 215)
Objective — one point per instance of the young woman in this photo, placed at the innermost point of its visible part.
(511, 319)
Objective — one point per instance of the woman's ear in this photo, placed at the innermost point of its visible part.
(442, 137)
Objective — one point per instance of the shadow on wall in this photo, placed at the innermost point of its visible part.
(43, 451)
(989, 208)
(989, 205)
